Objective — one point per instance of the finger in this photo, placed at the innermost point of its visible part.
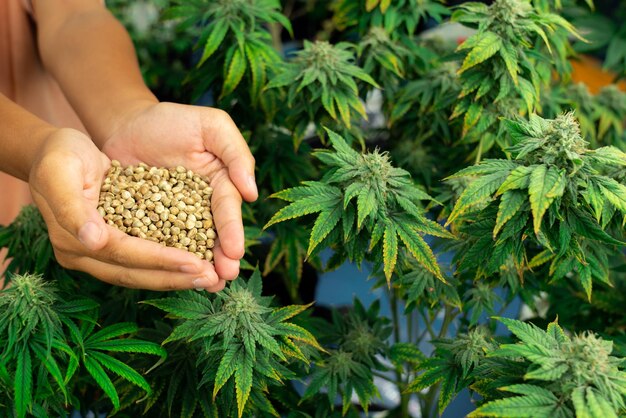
(217, 287)
(222, 138)
(138, 253)
(71, 192)
(127, 251)
(143, 278)
(226, 268)
(226, 207)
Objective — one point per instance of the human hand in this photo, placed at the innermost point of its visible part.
(65, 181)
(206, 141)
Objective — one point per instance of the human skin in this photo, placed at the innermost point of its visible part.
(92, 58)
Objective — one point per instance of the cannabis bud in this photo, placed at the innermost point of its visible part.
(168, 206)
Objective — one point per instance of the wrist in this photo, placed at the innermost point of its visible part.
(121, 117)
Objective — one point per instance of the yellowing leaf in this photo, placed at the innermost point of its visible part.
(510, 204)
(371, 4)
(545, 185)
(487, 46)
(236, 70)
(390, 250)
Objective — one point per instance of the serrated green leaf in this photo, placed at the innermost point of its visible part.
(23, 384)
(99, 375)
(243, 382)
(121, 369)
(546, 184)
(326, 222)
(366, 204)
(419, 249)
(486, 46)
(390, 250)
(510, 203)
(236, 68)
(213, 42)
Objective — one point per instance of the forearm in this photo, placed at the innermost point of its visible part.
(92, 57)
(21, 137)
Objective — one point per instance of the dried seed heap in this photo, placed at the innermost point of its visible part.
(168, 206)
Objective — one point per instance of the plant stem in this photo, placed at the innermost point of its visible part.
(393, 303)
(448, 317)
(404, 397)
(429, 325)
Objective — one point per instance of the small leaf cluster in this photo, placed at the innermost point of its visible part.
(564, 376)
(354, 342)
(601, 116)
(321, 82)
(401, 18)
(553, 192)
(500, 75)
(452, 364)
(27, 243)
(246, 344)
(365, 205)
(234, 37)
(48, 342)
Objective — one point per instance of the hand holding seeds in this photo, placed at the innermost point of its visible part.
(65, 181)
(205, 141)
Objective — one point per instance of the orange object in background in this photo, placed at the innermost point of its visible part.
(588, 70)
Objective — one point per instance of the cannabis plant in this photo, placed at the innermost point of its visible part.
(469, 178)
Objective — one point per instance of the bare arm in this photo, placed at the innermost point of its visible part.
(92, 57)
(21, 136)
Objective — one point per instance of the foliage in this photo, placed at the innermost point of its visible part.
(355, 111)
(552, 195)
(48, 340)
(386, 212)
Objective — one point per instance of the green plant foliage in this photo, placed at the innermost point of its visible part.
(26, 240)
(233, 36)
(321, 82)
(386, 212)
(500, 74)
(564, 376)
(610, 115)
(244, 341)
(552, 171)
(452, 364)
(47, 341)
(538, 219)
(357, 338)
(400, 18)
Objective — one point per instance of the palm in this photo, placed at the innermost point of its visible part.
(203, 140)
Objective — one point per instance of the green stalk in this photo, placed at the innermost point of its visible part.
(404, 397)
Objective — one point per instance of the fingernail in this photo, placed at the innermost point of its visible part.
(252, 184)
(189, 268)
(202, 283)
(89, 234)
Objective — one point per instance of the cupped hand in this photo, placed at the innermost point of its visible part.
(206, 141)
(65, 182)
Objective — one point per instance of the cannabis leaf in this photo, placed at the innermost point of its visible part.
(321, 82)
(385, 215)
(452, 364)
(358, 339)
(552, 171)
(93, 349)
(565, 376)
(399, 18)
(500, 75)
(234, 36)
(245, 340)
